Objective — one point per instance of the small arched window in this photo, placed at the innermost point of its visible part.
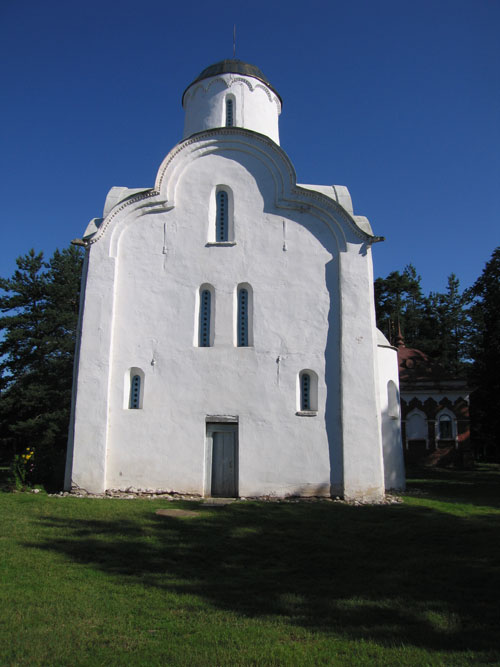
(222, 217)
(205, 323)
(445, 427)
(135, 392)
(229, 112)
(307, 394)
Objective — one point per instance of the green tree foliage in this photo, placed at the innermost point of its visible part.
(39, 303)
(484, 350)
(452, 326)
(400, 304)
(437, 324)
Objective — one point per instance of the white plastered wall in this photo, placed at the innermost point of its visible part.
(362, 451)
(88, 439)
(394, 471)
(312, 297)
(187, 383)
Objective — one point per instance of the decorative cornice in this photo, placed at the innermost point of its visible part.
(228, 83)
(339, 210)
(233, 132)
(270, 96)
(115, 211)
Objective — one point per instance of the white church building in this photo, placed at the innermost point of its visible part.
(227, 341)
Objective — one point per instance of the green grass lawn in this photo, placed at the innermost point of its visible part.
(109, 582)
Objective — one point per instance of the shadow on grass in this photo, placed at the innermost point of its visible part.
(399, 575)
(480, 486)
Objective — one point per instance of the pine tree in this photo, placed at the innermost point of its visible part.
(449, 310)
(436, 324)
(399, 303)
(40, 306)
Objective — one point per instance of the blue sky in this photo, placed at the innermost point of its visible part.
(398, 100)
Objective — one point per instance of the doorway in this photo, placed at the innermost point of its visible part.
(222, 460)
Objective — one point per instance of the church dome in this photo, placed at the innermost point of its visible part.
(231, 93)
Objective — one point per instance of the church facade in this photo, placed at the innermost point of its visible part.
(228, 344)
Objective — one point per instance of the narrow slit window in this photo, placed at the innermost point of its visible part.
(222, 217)
(229, 112)
(205, 308)
(135, 392)
(305, 392)
(243, 318)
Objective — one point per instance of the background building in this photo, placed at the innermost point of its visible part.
(434, 411)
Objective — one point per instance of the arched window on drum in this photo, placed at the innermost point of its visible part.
(230, 111)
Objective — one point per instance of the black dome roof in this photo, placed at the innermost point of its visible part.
(232, 66)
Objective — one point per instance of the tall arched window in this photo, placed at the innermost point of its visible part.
(243, 318)
(445, 427)
(416, 426)
(222, 216)
(135, 392)
(305, 391)
(133, 395)
(205, 324)
(243, 333)
(392, 400)
(229, 112)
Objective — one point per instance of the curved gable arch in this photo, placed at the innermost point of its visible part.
(287, 194)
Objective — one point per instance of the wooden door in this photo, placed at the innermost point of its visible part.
(224, 482)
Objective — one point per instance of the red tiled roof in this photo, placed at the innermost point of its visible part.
(416, 366)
